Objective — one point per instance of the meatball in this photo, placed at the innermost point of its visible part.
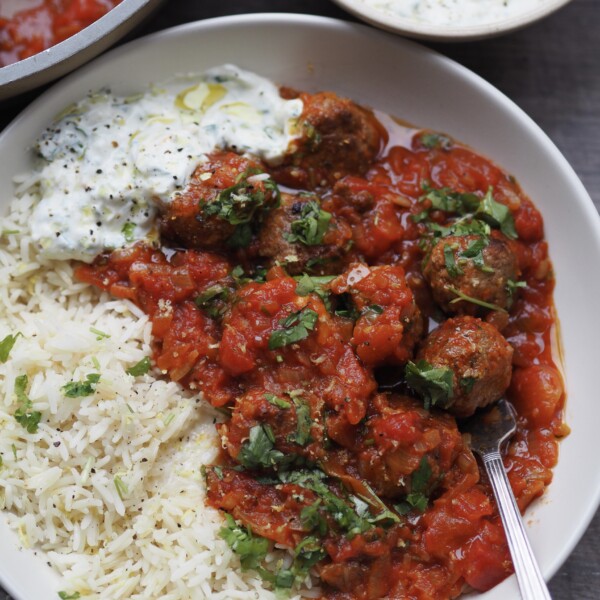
(303, 237)
(407, 449)
(389, 323)
(225, 196)
(290, 420)
(473, 266)
(338, 137)
(479, 358)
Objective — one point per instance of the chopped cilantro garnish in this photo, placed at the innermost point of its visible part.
(238, 275)
(67, 596)
(277, 401)
(239, 203)
(446, 200)
(252, 550)
(128, 230)
(417, 499)
(100, 335)
(474, 251)
(295, 328)
(435, 140)
(433, 385)
(513, 286)
(140, 368)
(312, 519)
(497, 215)
(6, 345)
(453, 269)
(462, 296)
(79, 389)
(259, 451)
(303, 423)
(213, 300)
(24, 415)
(312, 225)
(475, 213)
(308, 284)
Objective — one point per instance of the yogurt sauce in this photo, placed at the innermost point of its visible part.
(455, 13)
(108, 161)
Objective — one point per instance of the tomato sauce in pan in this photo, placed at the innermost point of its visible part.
(32, 30)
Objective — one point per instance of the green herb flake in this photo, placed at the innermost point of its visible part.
(312, 519)
(239, 203)
(446, 200)
(67, 596)
(474, 252)
(14, 450)
(128, 231)
(100, 335)
(417, 499)
(435, 141)
(303, 423)
(213, 300)
(497, 215)
(453, 269)
(141, 367)
(259, 451)
(315, 285)
(277, 401)
(121, 487)
(312, 225)
(462, 296)
(513, 286)
(433, 385)
(29, 419)
(295, 328)
(251, 550)
(6, 345)
(79, 389)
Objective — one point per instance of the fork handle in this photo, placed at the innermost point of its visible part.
(531, 582)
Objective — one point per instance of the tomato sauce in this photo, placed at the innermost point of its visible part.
(295, 361)
(35, 29)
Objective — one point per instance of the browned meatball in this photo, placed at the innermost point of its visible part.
(479, 358)
(407, 449)
(289, 419)
(225, 196)
(338, 138)
(473, 266)
(303, 237)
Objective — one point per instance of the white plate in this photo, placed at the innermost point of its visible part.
(426, 89)
(452, 32)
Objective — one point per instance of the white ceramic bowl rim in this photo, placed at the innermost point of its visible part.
(449, 32)
(310, 27)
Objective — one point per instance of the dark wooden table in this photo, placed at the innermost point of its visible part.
(552, 71)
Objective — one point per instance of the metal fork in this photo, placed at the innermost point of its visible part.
(489, 429)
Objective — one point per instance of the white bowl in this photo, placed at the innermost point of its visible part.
(423, 88)
(448, 33)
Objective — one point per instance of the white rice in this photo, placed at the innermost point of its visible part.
(57, 486)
